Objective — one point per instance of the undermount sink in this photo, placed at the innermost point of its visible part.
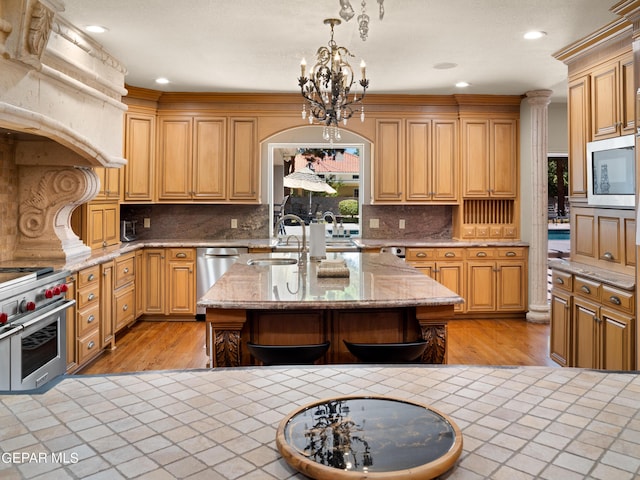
(260, 262)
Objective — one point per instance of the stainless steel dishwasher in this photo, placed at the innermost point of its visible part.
(211, 263)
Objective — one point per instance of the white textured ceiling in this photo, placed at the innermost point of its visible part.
(256, 45)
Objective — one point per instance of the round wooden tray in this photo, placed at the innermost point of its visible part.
(357, 437)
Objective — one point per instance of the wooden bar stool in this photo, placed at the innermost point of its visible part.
(288, 354)
(406, 352)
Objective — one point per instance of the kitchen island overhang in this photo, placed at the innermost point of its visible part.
(383, 300)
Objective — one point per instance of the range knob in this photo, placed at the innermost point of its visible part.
(27, 306)
(48, 293)
(3, 318)
(57, 290)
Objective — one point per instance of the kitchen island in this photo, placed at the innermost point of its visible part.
(383, 300)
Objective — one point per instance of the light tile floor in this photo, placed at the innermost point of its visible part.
(517, 423)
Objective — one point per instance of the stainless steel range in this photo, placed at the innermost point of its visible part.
(33, 308)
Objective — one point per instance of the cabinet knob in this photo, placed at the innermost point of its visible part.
(91, 318)
(597, 319)
(125, 307)
(91, 344)
(126, 270)
(607, 256)
(91, 296)
(559, 281)
(91, 277)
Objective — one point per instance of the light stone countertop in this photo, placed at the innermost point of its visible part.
(620, 280)
(375, 281)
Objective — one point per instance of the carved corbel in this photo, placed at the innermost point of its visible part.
(39, 29)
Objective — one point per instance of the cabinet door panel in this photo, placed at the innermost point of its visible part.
(604, 101)
(579, 135)
(585, 334)
(388, 168)
(445, 160)
(475, 157)
(627, 102)
(503, 172)
(617, 342)
(419, 181)
(609, 244)
(560, 332)
(209, 159)
(139, 152)
(181, 288)
(511, 284)
(153, 281)
(451, 275)
(481, 284)
(243, 159)
(175, 159)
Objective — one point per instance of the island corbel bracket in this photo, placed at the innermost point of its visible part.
(224, 336)
(433, 327)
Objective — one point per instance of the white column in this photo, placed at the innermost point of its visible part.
(539, 311)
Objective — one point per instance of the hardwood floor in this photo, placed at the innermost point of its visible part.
(154, 345)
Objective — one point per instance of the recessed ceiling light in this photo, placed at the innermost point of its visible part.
(534, 35)
(462, 84)
(162, 80)
(96, 28)
(445, 65)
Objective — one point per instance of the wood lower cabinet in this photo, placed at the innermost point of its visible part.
(72, 348)
(124, 292)
(88, 314)
(592, 323)
(107, 333)
(168, 281)
(445, 265)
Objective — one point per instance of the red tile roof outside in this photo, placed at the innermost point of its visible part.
(349, 163)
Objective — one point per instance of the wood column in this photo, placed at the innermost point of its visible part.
(539, 310)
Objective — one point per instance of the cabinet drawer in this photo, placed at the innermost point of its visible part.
(125, 271)
(88, 320)
(562, 280)
(587, 288)
(420, 254)
(181, 253)
(125, 307)
(512, 252)
(88, 296)
(88, 346)
(449, 253)
(480, 253)
(620, 299)
(88, 276)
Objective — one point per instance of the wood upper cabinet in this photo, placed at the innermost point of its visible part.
(243, 164)
(109, 183)
(388, 162)
(99, 224)
(612, 98)
(139, 150)
(194, 162)
(416, 161)
(490, 157)
(579, 134)
(432, 160)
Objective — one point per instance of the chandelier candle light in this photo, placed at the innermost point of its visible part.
(327, 89)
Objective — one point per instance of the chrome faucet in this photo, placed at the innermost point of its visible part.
(334, 231)
(301, 244)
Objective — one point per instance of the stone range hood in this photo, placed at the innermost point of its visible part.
(60, 112)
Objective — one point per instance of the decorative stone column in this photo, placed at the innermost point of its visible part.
(47, 196)
(539, 311)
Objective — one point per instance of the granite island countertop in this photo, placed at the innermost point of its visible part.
(375, 281)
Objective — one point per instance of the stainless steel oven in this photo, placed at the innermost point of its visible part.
(38, 350)
(33, 308)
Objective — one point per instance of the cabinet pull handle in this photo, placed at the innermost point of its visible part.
(559, 281)
(91, 296)
(607, 256)
(181, 255)
(449, 254)
(511, 254)
(615, 300)
(91, 318)
(598, 320)
(481, 254)
(91, 344)
(91, 277)
(125, 307)
(421, 254)
(126, 270)
(585, 289)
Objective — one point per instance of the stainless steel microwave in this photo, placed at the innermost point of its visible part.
(611, 172)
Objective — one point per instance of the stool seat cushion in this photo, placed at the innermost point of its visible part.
(405, 352)
(288, 354)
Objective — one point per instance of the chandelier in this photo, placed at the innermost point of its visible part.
(347, 13)
(327, 89)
